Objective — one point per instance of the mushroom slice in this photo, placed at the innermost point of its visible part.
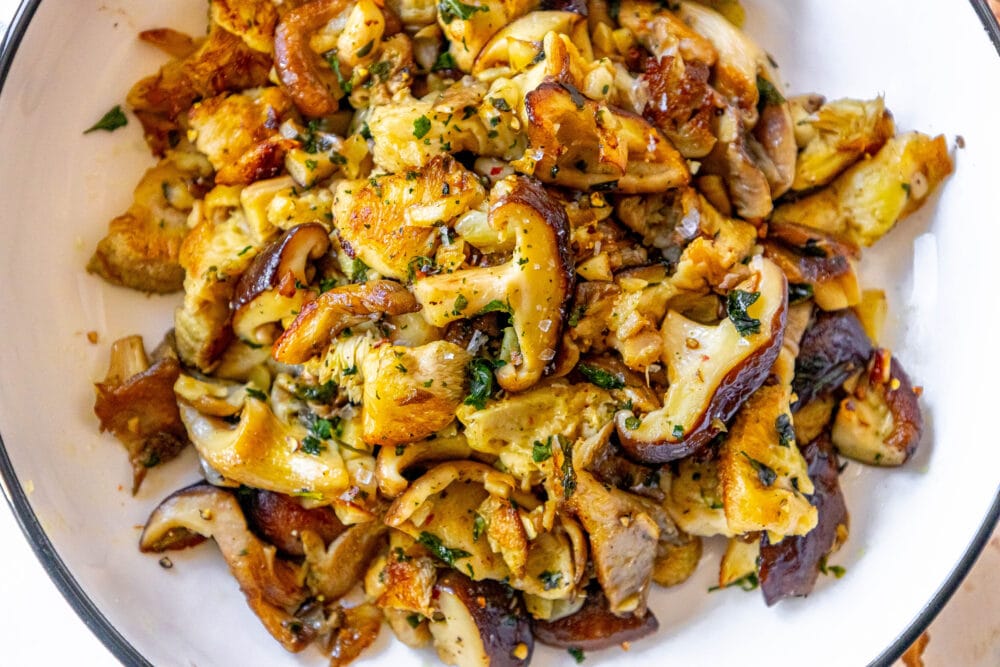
(790, 567)
(239, 134)
(712, 369)
(268, 291)
(142, 246)
(282, 521)
(839, 133)
(535, 286)
(333, 571)
(682, 104)
(880, 422)
(392, 461)
(519, 42)
(594, 627)
(484, 624)
(676, 560)
(866, 201)
(834, 348)
(586, 145)
(468, 28)
(136, 402)
(388, 221)
(265, 452)
(812, 261)
(320, 321)
(223, 62)
(269, 583)
(309, 81)
(664, 32)
(412, 393)
(358, 628)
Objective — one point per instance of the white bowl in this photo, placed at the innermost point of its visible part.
(914, 531)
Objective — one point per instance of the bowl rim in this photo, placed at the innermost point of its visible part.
(128, 654)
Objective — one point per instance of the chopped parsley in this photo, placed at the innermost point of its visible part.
(359, 271)
(541, 451)
(568, 473)
(256, 393)
(496, 306)
(678, 431)
(632, 423)
(747, 582)
(110, 121)
(333, 61)
(577, 654)
(786, 433)
(835, 570)
(480, 382)
(414, 620)
(460, 304)
(736, 307)
(318, 393)
(366, 49)
(769, 93)
(478, 526)
(452, 9)
(434, 545)
(444, 61)
(799, 292)
(601, 377)
(421, 126)
(550, 580)
(765, 473)
(500, 104)
(312, 445)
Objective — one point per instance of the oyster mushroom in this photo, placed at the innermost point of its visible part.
(135, 401)
(304, 75)
(484, 624)
(266, 452)
(333, 571)
(392, 463)
(586, 145)
(535, 285)
(712, 368)
(268, 291)
(270, 584)
(320, 321)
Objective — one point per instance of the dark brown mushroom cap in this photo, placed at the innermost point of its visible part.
(833, 348)
(594, 627)
(308, 80)
(280, 519)
(281, 263)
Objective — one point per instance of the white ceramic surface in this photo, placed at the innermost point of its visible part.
(909, 527)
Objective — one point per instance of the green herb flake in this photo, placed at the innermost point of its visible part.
(434, 545)
(359, 271)
(576, 315)
(632, 423)
(765, 473)
(460, 304)
(550, 580)
(256, 393)
(747, 582)
(678, 431)
(421, 126)
(577, 654)
(414, 620)
(769, 93)
(317, 393)
(452, 9)
(799, 292)
(568, 473)
(478, 526)
(601, 377)
(480, 383)
(786, 433)
(500, 104)
(353, 370)
(541, 451)
(496, 306)
(110, 121)
(346, 85)
(444, 61)
(736, 306)
(244, 251)
(312, 445)
(366, 49)
(906, 188)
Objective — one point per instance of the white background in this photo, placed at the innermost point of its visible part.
(37, 626)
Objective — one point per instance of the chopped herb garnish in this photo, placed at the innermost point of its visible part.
(478, 526)
(747, 582)
(541, 451)
(577, 654)
(836, 570)
(786, 433)
(480, 382)
(568, 473)
(906, 188)
(496, 306)
(434, 545)
(678, 431)
(606, 186)
(244, 251)
(601, 377)
(380, 70)
(312, 445)
(318, 393)
(421, 126)
(365, 131)
(333, 61)
(444, 61)
(577, 314)
(460, 303)
(632, 423)
(414, 620)
(359, 271)
(769, 94)
(366, 49)
(353, 370)
(452, 9)
(799, 292)
(550, 580)
(500, 104)
(736, 306)
(765, 473)
(110, 121)
(256, 393)
(401, 368)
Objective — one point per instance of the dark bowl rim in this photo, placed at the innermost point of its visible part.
(127, 654)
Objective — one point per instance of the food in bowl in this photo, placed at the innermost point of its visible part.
(492, 311)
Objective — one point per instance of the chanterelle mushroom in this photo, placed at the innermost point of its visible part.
(535, 285)
(270, 584)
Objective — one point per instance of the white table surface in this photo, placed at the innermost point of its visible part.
(38, 627)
